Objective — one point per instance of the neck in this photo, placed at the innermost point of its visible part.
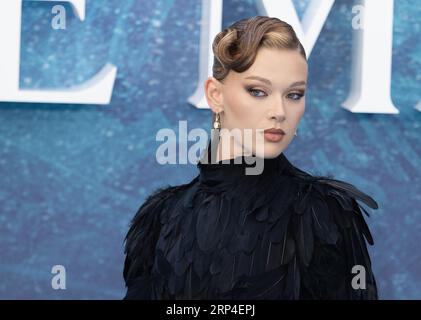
(226, 148)
(220, 153)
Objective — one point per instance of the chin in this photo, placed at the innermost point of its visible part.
(270, 150)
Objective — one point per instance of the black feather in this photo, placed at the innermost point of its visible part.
(284, 234)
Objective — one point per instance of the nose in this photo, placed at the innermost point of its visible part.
(278, 110)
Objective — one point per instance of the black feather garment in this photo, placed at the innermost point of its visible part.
(283, 234)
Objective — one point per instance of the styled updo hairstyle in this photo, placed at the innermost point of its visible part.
(235, 47)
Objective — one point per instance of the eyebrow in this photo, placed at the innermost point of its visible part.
(295, 84)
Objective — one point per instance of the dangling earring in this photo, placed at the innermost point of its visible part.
(295, 133)
(217, 122)
(215, 138)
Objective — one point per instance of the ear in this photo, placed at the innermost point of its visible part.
(213, 92)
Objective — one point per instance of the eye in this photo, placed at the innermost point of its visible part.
(295, 96)
(252, 91)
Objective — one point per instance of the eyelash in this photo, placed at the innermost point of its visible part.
(300, 94)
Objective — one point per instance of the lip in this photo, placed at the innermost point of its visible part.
(275, 131)
(274, 135)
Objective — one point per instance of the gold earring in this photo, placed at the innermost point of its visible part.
(217, 122)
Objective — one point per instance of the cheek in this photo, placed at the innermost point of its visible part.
(297, 113)
(240, 110)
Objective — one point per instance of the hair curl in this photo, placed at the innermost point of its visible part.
(235, 47)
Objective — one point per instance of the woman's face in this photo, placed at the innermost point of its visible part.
(270, 94)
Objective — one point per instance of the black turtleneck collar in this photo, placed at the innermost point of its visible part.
(226, 172)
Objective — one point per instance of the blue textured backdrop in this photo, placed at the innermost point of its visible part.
(74, 175)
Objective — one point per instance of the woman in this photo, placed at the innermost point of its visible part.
(278, 234)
